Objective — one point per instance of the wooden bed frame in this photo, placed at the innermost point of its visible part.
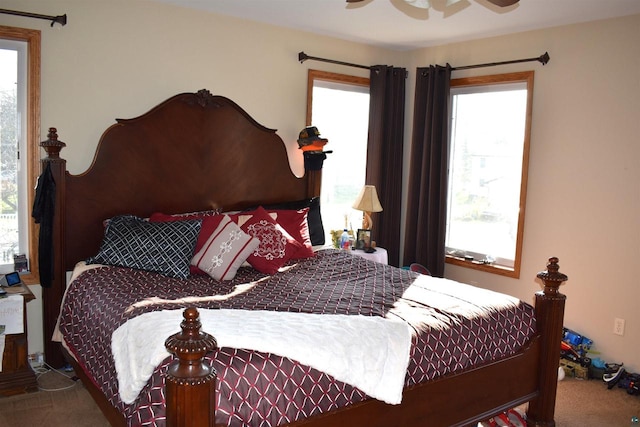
(196, 151)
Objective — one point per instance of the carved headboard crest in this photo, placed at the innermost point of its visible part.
(204, 99)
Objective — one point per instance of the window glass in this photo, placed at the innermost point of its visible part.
(19, 148)
(340, 111)
(487, 173)
(12, 140)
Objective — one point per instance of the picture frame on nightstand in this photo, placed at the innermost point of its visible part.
(363, 239)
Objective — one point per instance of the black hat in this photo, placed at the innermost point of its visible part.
(309, 135)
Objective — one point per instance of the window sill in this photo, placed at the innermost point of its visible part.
(30, 278)
(488, 268)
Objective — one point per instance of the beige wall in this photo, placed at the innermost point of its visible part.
(119, 58)
(583, 199)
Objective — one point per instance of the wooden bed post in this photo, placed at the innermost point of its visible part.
(190, 383)
(549, 317)
(52, 295)
(313, 162)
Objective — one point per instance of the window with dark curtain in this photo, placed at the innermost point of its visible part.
(425, 230)
(384, 153)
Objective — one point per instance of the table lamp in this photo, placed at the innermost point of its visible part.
(367, 202)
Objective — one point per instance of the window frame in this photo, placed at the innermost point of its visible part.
(498, 79)
(32, 123)
(313, 77)
(327, 76)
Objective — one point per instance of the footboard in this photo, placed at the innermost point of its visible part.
(530, 375)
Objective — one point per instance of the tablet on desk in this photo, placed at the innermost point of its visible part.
(10, 279)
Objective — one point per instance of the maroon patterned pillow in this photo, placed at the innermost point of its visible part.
(276, 245)
(295, 223)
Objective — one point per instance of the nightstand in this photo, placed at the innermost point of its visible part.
(17, 376)
(380, 255)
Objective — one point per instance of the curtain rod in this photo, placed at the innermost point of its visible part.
(303, 57)
(543, 59)
(60, 19)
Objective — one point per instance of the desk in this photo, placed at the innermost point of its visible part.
(380, 255)
(17, 376)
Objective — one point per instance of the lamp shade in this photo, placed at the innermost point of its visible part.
(367, 200)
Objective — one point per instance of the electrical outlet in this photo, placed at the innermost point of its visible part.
(36, 359)
(618, 326)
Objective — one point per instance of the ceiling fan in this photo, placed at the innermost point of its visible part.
(426, 4)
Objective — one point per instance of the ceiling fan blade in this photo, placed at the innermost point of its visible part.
(503, 3)
(422, 4)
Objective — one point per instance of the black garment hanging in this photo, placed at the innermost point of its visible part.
(43, 210)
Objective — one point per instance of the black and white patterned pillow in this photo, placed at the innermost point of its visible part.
(162, 247)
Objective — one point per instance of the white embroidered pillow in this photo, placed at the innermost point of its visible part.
(225, 251)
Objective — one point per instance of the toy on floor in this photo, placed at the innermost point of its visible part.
(575, 346)
(512, 418)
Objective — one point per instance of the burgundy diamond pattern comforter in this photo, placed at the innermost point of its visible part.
(456, 327)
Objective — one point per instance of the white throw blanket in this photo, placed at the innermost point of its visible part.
(370, 353)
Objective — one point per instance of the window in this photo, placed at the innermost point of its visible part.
(488, 163)
(19, 149)
(339, 108)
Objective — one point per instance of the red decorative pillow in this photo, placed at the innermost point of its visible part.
(295, 223)
(276, 245)
(209, 223)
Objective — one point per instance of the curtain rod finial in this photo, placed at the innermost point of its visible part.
(60, 19)
(544, 59)
(302, 57)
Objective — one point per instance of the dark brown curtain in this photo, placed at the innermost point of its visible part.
(384, 154)
(427, 194)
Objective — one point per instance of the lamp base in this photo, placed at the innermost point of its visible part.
(366, 221)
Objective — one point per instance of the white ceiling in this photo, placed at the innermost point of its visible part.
(396, 25)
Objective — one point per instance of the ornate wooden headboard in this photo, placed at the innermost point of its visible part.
(192, 152)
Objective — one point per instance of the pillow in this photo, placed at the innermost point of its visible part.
(314, 218)
(165, 247)
(241, 217)
(225, 250)
(293, 222)
(276, 245)
(210, 221)
(296, 224)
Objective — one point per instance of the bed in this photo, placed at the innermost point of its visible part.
(195, 157)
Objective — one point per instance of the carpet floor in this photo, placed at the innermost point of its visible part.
(588, 403)
(579, 403)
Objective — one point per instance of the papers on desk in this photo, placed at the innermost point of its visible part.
(11, 319)
(12, 314)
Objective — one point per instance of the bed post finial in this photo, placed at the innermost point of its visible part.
(549, 318)
(190, 383)
(551, 277)
(52, 145)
